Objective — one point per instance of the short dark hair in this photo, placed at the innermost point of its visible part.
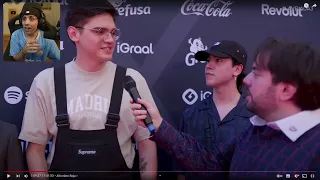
(241, 76)
(80, 13)
(294, 63)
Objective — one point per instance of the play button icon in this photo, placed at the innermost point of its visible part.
(8, 175)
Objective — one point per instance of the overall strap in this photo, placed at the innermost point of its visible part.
(113, 116)
(62, 117)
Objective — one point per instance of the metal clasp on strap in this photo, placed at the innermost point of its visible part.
(62, 120)
(112, 120)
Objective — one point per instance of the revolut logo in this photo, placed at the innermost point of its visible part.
(293, 11)
(214, 8)
(195, 46)
(128, 9)
(62, 2)
(127, 48)
(13, 95)
(190, 96)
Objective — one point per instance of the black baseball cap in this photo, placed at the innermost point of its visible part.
(224, 49)
(31, 11)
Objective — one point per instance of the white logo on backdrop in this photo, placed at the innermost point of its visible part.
(214, 8)
(13, 95)
(136, 49)
(116, 3)
(129, 9)
(293, 11)
(195, 46)
(190, 96)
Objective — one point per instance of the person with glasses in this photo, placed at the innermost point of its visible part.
(28, 43)
(84, 109)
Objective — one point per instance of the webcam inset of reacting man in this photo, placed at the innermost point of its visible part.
(28, 43)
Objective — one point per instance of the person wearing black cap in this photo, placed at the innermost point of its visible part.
(223, 114)
(28, 43)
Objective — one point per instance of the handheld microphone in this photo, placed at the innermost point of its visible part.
(130, 86)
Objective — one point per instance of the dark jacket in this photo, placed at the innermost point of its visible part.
(193, 122)
(259, 153)
(10, 149)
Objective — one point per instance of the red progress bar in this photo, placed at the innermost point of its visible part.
(20, 171)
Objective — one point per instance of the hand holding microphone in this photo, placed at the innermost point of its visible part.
(141, 114)
(145, 114)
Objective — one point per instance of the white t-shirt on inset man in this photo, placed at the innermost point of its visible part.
(88, 98)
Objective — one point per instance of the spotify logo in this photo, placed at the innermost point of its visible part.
(13, 95)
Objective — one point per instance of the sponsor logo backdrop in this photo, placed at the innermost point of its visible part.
(159, 39)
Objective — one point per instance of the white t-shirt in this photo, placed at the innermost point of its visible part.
(88, 101)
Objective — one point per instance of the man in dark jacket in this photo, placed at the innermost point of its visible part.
(284, 88)
(10, 149)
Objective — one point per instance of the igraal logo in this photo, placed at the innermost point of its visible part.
(293, 11)
(207, 9)
(195, 46)
(13, 95)
(62, 2)
(190, 96)
(126, 48)
(129, 9)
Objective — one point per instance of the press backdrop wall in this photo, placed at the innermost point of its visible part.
(166, 36)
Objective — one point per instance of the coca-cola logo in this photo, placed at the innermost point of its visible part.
(215, 8)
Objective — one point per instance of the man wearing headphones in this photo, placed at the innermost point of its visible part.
(28, 44)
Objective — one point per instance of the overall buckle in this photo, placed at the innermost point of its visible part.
(112, 120)
(62, 120)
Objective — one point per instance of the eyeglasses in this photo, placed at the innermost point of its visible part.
(104, 33)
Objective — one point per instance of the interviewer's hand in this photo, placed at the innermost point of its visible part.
(141, 115)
